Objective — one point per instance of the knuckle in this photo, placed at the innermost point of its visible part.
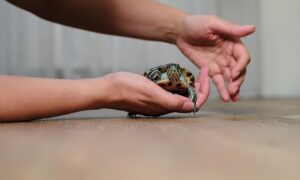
(171, 104)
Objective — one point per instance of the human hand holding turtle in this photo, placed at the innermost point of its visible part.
(209, 41)
(134, 93)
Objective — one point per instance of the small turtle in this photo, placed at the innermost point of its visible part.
(175, 79)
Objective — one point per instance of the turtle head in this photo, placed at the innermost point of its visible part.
(174, 72)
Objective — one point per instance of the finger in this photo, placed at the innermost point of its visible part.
(235, 85)
(183, 104)
(199, 78)
(187, 107)
(236, 97)
(242, 57)
(232, 64)
(175, 102)
(203, 88)
(227, 74)
(227, 28)
(221, 87)
(197, 81)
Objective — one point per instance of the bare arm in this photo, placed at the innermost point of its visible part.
(27, 98)
(144, 19)
(207, 41)
(24, 98)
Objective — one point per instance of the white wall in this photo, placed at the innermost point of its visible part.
(280, 36)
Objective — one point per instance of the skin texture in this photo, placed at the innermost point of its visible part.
(137, 94)
(26, 98)
(212, 44)
(35, 98)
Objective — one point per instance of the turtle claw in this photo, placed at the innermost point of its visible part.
(131, 115)
(195, 109)
(193, 97)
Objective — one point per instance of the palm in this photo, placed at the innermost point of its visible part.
(224, 55)
(218, 57)
(137, 94)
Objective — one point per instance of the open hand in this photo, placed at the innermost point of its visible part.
(209, 41)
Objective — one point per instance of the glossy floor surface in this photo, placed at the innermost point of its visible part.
(252, 139)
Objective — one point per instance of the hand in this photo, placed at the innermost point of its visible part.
(214, 43)
(135, 93)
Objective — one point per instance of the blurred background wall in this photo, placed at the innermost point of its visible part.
(33, 47)
(280, 48)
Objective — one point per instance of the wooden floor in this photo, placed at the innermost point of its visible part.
(252, 139)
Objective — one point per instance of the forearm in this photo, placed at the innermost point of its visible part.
(144, 19)
(24, 98)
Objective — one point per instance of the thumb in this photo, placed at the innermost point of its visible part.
(175, 102)
(221, 26)
(183, 104)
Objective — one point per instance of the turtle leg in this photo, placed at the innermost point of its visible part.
(192, 96)
(131, 115)
(153, 75)
(165, 67)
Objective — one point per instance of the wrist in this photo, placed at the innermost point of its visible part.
(97, 92)
(175, 27)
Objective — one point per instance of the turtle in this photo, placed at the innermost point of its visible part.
(174, 79)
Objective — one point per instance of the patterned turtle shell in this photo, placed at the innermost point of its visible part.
(175, 79)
